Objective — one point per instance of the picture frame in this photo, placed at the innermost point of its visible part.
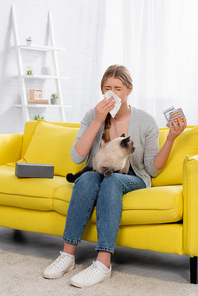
(35, 94)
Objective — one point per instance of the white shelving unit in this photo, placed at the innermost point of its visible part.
(22, 77)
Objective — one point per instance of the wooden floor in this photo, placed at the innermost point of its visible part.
(143, 263)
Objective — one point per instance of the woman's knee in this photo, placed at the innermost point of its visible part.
(112, 187)
(87, 180)
(90, 176)
(112, 180)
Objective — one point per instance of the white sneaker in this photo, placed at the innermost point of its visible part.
(90, 276)
(60, 266)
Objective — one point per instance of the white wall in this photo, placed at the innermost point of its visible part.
(79, 27)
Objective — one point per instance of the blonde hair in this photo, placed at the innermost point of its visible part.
(122, 73)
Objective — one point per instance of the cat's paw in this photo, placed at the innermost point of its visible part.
(108, 173)
(70, 178)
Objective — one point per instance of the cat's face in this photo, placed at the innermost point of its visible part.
(127, 144)
(121, 147)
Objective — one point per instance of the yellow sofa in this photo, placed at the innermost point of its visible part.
(163, 218)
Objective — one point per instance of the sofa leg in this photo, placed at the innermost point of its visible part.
(18, 236)
(193, 270)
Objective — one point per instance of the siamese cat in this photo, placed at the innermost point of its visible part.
(111, 157)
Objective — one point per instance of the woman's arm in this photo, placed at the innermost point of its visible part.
(84, 144)
(175, 130)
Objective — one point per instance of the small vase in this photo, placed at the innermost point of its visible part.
(53, 101)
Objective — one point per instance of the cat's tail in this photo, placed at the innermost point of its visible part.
(72, 177)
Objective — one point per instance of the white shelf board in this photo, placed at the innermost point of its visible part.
(39, 47)
(42, 77)
(41, 106)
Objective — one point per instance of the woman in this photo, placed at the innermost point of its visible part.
(92, 189)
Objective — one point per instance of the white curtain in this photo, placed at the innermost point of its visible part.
(157, 41)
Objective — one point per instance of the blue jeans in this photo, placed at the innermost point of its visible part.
(92, 189)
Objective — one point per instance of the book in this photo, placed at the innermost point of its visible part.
(30, 101)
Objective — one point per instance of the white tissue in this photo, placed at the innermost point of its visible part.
(109, 95)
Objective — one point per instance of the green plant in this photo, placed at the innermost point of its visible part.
(38, 116)
(54, 96)
(29, 39)
(29, 72)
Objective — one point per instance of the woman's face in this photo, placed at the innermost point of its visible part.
(118, 87)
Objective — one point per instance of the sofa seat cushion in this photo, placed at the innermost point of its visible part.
(153, 205)
(61, 198)
(146, 206)
(29, 193)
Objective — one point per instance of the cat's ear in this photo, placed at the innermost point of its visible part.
(122, 135)
(125, 141)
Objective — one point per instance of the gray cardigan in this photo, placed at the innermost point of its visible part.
(144, 132)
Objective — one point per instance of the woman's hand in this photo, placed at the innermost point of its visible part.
(84, 144)
(103, 108)
(176, 129)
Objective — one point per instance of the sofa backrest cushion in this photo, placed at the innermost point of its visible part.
(185, 144)
(30, 127)
(51, 144)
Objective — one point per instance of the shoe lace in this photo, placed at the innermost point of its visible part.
(60, 260)
(91, 270)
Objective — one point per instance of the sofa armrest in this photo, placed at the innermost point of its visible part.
(10, 147)
(190, 195)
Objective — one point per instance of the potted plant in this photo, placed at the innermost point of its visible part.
(29, 40)
(54, 98)
(38, 116)
(29, 70)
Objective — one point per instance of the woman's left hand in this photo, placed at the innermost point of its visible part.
(176, 129)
